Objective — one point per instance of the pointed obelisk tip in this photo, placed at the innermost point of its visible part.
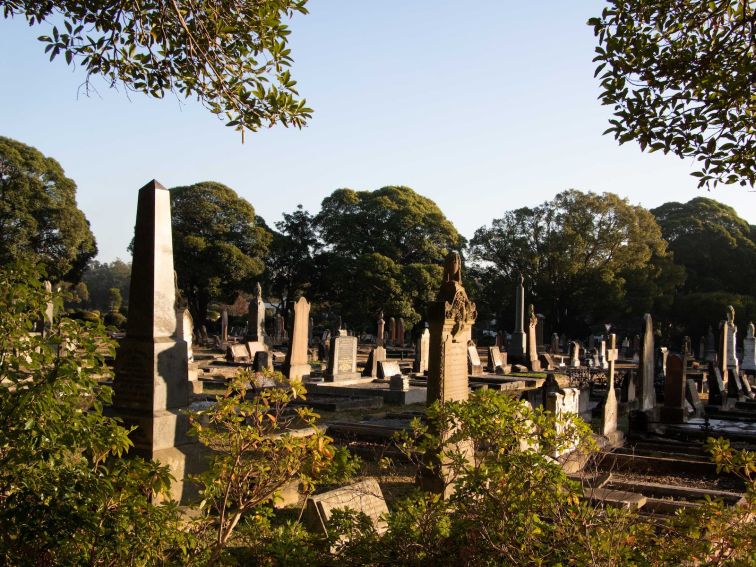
(154, 184)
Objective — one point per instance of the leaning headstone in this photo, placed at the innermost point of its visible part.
(151, 386)
(717, 394)
(376, 355)
(296, 366)
(691, 395)
(474, 365)
(388, 368)
(342, 364)
(749, 350)
(518, 345)
(533, 362)
(451, 318)
(496, 359)
(237, 352)
(364, 496)
(646, 392)
(673, 410)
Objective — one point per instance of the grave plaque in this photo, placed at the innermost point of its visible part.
(342, 364)
(364, 496)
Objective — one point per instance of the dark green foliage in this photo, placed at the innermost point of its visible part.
(232, 56)
(39, 219)
(102, 277)
(66, 496)
(587, 259)
(218, 244)
(381, 250)
(679, 75)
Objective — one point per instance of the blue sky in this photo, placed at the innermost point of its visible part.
(483, 107)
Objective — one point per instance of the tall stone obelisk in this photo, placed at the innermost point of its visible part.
(151, 368)
(517, 347)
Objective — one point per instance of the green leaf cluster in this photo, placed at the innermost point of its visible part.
(232, 55)
(39, 219)
(679, 76)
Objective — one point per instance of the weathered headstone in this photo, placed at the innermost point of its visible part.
(691, 395)
(422, 349)
(342, 364)
(717, 394)
(554, 344)
(279, 334)
(399, 382)
(474, 365)
(392, 331)
(540, 324)
(296, 366)
(496, 359)
(749, 350)
(560, 404)
(237, 352)
(518, 346)
(532, 349)
(722, 351)
(400, 332)
(732, 341)
(711, 346)
(364, 496)
(574, 354)
(380, 330)
(646, 392)
(151, 383)
(675, 383)
(224, 326)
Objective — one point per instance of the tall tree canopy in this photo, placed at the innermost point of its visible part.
(39, 218)
(218, 244)
(717, 249)
(382, 250)
(101, 278)
(587, 259)
(680, 77)
(232, 55)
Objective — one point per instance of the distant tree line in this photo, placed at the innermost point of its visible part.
(588, 259)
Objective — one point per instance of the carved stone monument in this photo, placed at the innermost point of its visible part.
(732, 341)
(451, 318)
(151, 384)
(534, 363)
